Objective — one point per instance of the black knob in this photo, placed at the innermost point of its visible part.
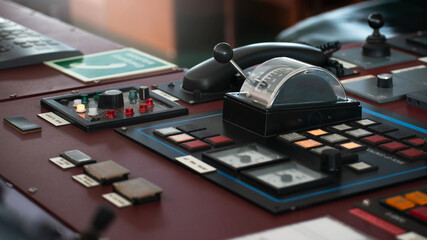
(111, 99)
(144, 92)
(286, 177)
(384, 80)
(375, 20)
(330, 160)
(223, 52)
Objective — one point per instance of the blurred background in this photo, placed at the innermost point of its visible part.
(184, 31)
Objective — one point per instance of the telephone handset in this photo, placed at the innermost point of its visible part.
(213, 77)
(210, 80)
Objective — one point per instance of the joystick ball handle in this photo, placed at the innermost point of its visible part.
(223, 52)
(375, 20)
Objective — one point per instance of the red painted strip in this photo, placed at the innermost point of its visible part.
(391, 228)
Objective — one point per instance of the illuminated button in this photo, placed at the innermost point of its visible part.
(77, 102)
(93, 112)
(183, 137)
(85, 98)
(376, 139)
(358, 133)
(334, 138)
(319, 150)
(366, 122)
(81, 108)
(291, 137)
(190, 128)
(195, 145)
(416, 142)
(219, 140)
(400, 203)
(412, 154)
(420, 212)
(317, 132)
(341, 127)
(129, 111)
(142, 107)
(203, 134)
(111, 114)
(164, 132)
(382, 128)
(149, 102)
(362, 167)
(399, 135)
(309, 143)
(352, 146)
(417, 197)
(393, 146)
(132, 96)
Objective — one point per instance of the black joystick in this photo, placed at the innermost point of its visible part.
(330, 160)
(375, 45)
(223, 53)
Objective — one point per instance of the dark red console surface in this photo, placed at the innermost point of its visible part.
(190, 208)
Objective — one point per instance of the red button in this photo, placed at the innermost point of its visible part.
(393, 146)
(417, 142)
(376, 139)
(142, 107)
(149, 102)
(129, 111)
(195, 145)
(420, 213)
(412, 154)
(219, 140)
(111, 114)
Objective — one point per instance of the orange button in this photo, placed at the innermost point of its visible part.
(400, 203)
(418, 197)
(317, 132)
(309, 143)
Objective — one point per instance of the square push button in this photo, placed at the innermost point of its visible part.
(190, 128)
(393, 146)
(195, 145)
(417, 197)
(412, 154)
(219, 140)
(375, 140)
(416, 142)
(352, 146)
(333, 138)
(358, 133)
(362, 167)
(164, 132)
(400, 203)
(341, 127)
(291, 137)
(317, 132)
(183, 137)
(319, 150)
(399, 135)
(420, 212)
(203, 134)
(309, 143)
(382, 128)
(366, 122)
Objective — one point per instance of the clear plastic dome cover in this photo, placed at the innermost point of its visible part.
(285, 81)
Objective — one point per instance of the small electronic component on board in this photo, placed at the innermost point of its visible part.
(77, 157)
(22, 124)
(106, 172)
(132, 192)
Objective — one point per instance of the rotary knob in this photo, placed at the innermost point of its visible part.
(111, 99)
(384, 80)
